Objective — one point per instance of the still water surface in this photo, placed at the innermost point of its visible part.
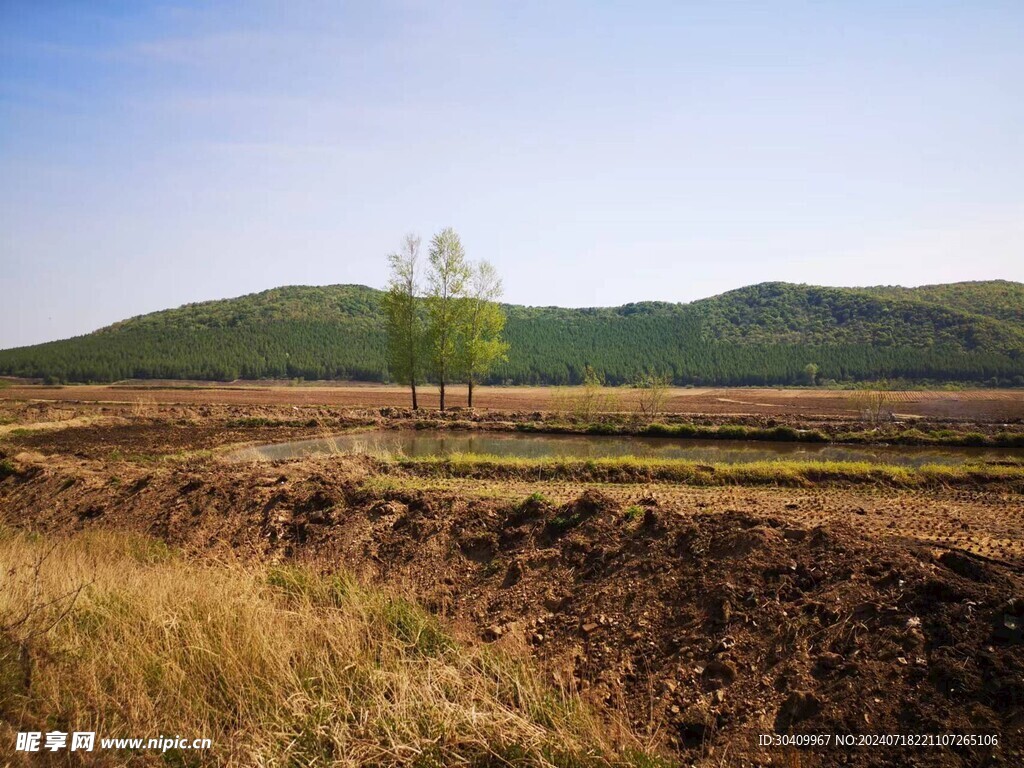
(425, 443)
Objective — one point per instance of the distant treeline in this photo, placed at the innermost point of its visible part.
(619, 350)
(762, 335)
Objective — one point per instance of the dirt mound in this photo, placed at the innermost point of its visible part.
(706, 629)
(726, 624)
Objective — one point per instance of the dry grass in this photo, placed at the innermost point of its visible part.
(144, 407)
(278, 666)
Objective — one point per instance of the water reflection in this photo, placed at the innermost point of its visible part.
(425, 443)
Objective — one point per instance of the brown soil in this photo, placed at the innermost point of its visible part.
(972, 405)
(155, 440)
(709, 616)
(986, 523)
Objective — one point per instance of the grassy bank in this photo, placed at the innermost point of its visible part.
(779, 473)
(784, 434)
(278, 666)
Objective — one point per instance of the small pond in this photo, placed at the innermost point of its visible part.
(425, 443)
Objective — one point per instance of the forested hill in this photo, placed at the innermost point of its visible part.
(762, 334)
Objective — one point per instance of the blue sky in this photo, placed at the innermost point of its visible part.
(153, 154)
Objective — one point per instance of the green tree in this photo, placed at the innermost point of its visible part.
(446, 306)
(402, 318)
(811, 373)
(481, 345)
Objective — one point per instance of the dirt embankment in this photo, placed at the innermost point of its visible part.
(706, 629)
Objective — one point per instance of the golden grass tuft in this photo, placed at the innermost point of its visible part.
(791, 474)
(278, 666)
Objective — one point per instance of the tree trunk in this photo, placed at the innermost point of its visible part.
(470, 403)
(414, 406)
(442, 394)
